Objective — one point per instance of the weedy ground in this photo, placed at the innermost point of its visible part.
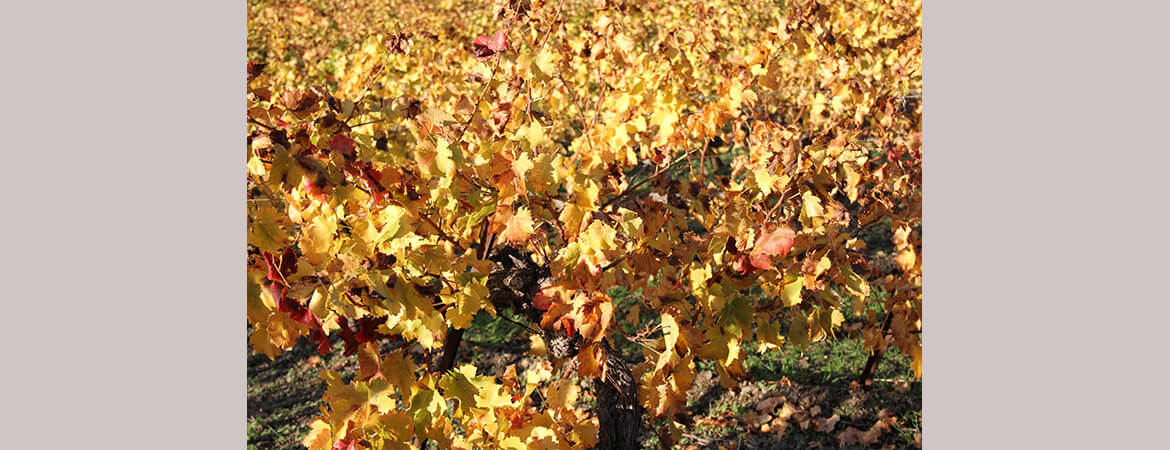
(793, 399)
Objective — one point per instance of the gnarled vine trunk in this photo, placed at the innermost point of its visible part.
(512, 284)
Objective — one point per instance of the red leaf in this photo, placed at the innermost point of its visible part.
(273, 270)
(315, 190)
(318, 335)
(542, 301)
(740, 264)
(283, 302)
(347, 336)
(367, 331)
(342, 143)
(288, 262)
(254, 69)
(278, 270)
(566, 325)
(484, 46)
(775, 243)
(761, 261)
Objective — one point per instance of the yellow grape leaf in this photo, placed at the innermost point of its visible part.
(571, 218)
(670, 332)
(392, 216)
(546, 62)
(542, 174)
(905, 259)
(256, 166)
(464, 106)
(262, 343)
(818, 105)
(317, 243)
(398, 425)
(342, 398)
(426, 406)
(399, 371)
(260, 303)
(491, 395)
(439, 117)
(427, 330)
(377, 393)
(319, 437)
(485, 210)
(683, 376)
(854, 283)
(699, 276)
(771, 79)
(519, 227)
(468, 301)
(536, 345)
(766, 180)
(852, 180)
(458, 384)
(561, 394)
(598, 238)
(811, 204)
(265, 231)
(444, 158)
(798, 331)
(513, 443)
(522, 165)
(768, 333)
(901, 236)
(811, 272)
(790, 294)
(585, 195)
(544, 438)
(532, 133)
(319, 305)
(595, 320)
(630, 223)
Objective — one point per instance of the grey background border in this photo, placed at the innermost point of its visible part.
(124, 224)
(1045, 225)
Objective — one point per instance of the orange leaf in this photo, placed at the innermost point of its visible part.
(369, 365)
(519, 227)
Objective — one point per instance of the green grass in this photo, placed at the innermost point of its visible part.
(825, 363)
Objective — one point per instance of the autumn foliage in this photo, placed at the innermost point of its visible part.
(719, 158)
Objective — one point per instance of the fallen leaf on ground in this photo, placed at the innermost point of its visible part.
(786, 411)
(312, 361)
(827, 425)
(766, 405)
(869, 437)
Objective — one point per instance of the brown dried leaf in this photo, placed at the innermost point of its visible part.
(766, 405)
(788, 410)
(300, 101)
(827, 425)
